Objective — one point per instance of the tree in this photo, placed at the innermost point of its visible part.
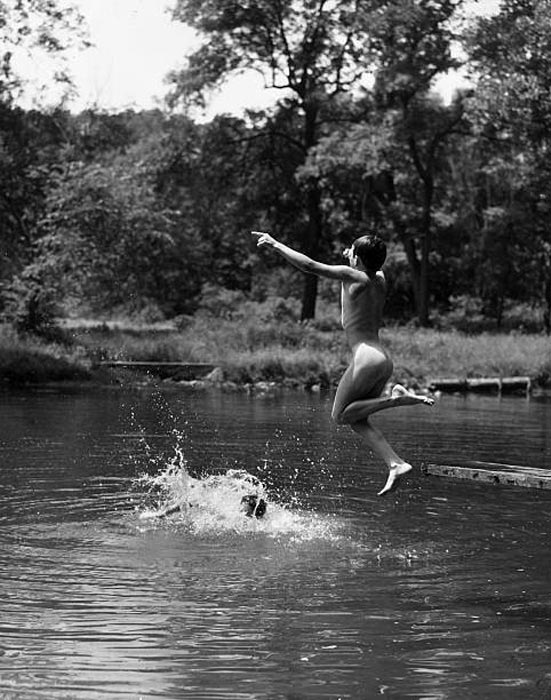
(102, 241)
(384, 174)
(318, 50)
(29, 140)
(311, 50)
(29, 147)
(415, 44)
(395, 154)
(511, 59)
(425, 130)
(204, 176)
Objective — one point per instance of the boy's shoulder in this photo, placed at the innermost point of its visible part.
(377, 279)
(377, 282)
(373, 284)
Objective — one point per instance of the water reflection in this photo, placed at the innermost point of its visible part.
(440, 590)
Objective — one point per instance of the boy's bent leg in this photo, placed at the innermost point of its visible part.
(397, 467)
(358, 387)
(362, 409)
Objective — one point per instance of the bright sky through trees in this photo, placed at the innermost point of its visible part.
(135, 44)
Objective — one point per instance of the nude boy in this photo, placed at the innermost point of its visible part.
(362, 297)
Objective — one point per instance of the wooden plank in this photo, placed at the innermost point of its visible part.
(493, 473)
(500, 466)
(177, 370)
(140, 364)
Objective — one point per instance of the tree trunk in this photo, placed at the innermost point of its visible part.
(309, 296)
(547, 307)
(414, 268)
(547, 287)
(426, 245)
(310, 246)
(423, 300)
(425, 172)
(313, 232)
(411, 255)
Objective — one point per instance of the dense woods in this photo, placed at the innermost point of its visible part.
(149, 212)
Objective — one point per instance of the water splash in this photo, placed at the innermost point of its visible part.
(212, 504)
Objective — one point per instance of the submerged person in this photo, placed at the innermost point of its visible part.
(251, 505)
(359, 393)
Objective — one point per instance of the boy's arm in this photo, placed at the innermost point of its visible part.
(306, 264)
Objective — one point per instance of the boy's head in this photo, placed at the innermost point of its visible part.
(253, 505)
(371, 250)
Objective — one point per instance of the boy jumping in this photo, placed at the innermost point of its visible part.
(363, 292)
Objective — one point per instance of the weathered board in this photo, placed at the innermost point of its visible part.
(175, 370)
(493, 473)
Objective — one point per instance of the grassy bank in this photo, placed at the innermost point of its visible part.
(25, 360)
(286, 352)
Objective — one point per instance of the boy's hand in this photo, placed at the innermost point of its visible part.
(264, 238)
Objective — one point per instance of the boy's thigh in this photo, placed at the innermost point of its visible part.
(368, 381)
(360, 383)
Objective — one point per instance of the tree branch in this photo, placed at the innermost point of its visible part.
(286, 50)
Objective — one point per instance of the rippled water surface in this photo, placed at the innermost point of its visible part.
(440, 590)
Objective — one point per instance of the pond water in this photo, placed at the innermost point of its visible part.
(440, 590)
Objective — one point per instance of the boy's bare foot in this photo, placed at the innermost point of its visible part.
(408, 398)
(394, 474)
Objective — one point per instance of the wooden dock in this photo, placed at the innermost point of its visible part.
(179, 371)
(500, 385)
(493, 473)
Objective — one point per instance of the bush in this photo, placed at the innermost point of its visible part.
(230, 304)
(31, 306)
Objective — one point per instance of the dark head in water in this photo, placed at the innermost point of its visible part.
(253, 505)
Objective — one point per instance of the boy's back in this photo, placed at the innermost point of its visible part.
(362, 308)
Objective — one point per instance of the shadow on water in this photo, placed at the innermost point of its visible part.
(440, 590)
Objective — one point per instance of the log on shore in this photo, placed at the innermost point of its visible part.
(497, 384)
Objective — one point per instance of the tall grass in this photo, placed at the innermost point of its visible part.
(427, 354)
(251, 350)
(263, 341)
(29, 360)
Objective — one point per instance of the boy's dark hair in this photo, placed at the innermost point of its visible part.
(253, 505)
(371, 250)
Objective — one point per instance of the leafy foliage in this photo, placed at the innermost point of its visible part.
(149, 212)
(102, 236)
(511, 53)
(46, 26)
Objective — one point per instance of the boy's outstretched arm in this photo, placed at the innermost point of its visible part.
(303, 262)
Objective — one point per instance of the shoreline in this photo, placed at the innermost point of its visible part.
(255, 357)
(138, 381)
